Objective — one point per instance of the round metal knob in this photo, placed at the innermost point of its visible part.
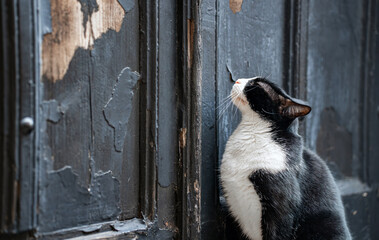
(27, 125)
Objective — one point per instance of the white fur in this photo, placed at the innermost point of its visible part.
(248, 149)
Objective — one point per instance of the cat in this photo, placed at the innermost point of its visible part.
(274, 187)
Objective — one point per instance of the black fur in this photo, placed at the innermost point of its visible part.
(303, 201)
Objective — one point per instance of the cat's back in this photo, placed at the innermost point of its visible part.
(318, 182)
(322, 210)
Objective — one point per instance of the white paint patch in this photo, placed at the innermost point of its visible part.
(249, 148)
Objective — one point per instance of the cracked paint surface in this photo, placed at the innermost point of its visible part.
(64, 190)
(76, 140)
(118, 109)
(52, 110)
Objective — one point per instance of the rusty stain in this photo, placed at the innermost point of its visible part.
(68, 32)
(190, 37)
(235, 5)
(183, 137)
(16, 193)
(171, 226)
(196, 186)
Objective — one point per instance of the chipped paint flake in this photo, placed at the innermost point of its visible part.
(131, 225)
(52, 110)
(119, 107)
(183, 137)
(76, 24)
(127, 5)
(235, 5)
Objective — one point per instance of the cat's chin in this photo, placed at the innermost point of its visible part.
(239, 101)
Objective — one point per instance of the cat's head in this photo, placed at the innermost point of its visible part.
(258, 96)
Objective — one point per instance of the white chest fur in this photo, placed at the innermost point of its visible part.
(250, 148)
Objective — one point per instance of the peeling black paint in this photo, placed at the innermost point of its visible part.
(45, 17)
(82, 138)
(91, 228)
(129, 229)
(119, 107)
(232, 77)
(156, 233)
(72, 203)
(127, 5)
(88, 7)
(52, 110)
(129, 226)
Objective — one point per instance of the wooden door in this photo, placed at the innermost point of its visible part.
(110, 117)
(320, 51)
(94, 120)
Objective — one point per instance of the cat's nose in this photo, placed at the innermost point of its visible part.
(238, 82)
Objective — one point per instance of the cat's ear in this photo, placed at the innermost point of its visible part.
(293, 108)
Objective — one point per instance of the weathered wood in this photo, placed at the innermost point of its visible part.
(206, 65)
(85, 62)
(148, 65)
(76, 24)
(18, 68)
(8, 71)
(126, 99)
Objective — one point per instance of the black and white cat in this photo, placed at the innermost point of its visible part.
(274, 187)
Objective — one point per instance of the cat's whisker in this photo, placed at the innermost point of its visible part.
(226, 100)
(228, 97)
(225, 104)
(268, 76)
(237, 107)
(223, 111)
(259, 72)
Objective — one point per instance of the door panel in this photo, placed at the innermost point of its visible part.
(334, 85)
(130, 124)
(319, 51)
(91, 116)
(340, 81)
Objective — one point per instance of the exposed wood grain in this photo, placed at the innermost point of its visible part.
(235, 5)
(68, 32)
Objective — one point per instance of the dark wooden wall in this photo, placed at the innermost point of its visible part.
(99, 82)
(90, 106)
(112, 112)
(340, 86)
(320, 51)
